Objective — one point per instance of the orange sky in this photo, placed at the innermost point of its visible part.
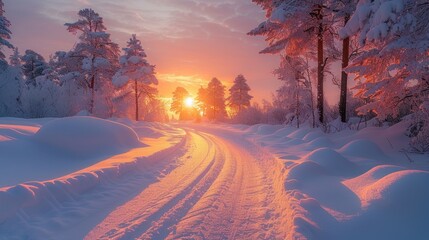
(190, 41)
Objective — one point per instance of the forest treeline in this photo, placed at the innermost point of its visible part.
(381, 46)
(94, 78)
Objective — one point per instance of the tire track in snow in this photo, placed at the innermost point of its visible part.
(161, 200)
(192, 194)
(224, 189)
(235, 207)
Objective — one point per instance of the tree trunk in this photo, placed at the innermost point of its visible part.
(320, 68)
(297, 112)
(344, 77)
(311, 96)
(137, 99)
(92, 86)
(214, 105)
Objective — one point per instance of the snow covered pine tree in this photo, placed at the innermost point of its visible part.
(239, 97)
(10, 76)
(215, 100)
(99, 55)
(394, 65)
(135, 69)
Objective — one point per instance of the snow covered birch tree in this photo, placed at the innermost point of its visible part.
(239, 97)
(97, 53)
(135, 69)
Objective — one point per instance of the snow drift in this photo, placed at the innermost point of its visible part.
(87, 136)
(95, 143)
(351, 184)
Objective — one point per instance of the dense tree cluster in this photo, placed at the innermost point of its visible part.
(92, 78)
(211, 103)
(385, 42)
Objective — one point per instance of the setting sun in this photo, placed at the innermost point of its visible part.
(189, 102)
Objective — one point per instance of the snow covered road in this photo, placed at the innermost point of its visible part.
(208, 181)
(220, 190)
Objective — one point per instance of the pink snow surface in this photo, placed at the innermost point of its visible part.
(125, 179)
(57, 159)
(86, 136)
(352, 184)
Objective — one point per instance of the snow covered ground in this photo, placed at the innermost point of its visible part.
(46, 164)
(351, 185)
(84, 177)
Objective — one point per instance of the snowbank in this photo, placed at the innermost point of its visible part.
(87, 136)
(78, 136)
(351, 184)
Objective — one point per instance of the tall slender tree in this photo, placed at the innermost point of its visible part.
(298, 28)
(97, 53)
(135, 69)
(342, 10)
(344, 76)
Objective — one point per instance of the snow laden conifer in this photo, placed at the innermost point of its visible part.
(5, 34)
(215, 100)
(10, 76)
(239, 98)
(135, 69)
(98, 57)
(299, 28)
(394, 65)
(15, 58)
(33, 66)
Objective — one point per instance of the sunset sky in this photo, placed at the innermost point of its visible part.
(190, 41)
